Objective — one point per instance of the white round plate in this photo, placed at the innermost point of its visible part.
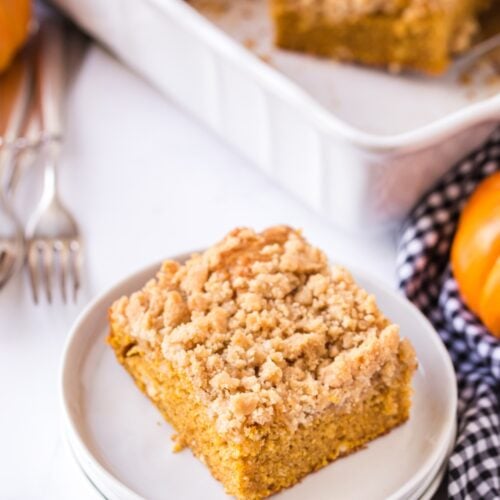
(121, 439)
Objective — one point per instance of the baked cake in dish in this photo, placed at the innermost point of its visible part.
(268, 361)
(415, 34)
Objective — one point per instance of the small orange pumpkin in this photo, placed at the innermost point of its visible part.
(15, 17)
(475, 253)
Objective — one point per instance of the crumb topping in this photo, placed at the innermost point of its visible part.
(342, 10)
(265, 329)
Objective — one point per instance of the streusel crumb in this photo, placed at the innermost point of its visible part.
(265, 329)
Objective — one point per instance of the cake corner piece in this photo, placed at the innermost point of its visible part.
(268, 362)
(420, 35)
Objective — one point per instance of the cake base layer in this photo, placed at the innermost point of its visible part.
(424, 43)
(269, 458)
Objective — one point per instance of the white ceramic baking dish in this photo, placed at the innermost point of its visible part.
(358, 145)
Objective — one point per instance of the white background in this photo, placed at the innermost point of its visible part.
(144, 181)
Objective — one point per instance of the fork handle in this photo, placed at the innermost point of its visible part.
(15, 93)
(51, 77)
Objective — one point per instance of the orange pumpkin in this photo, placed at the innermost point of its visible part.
(14, 24)
(475, 253)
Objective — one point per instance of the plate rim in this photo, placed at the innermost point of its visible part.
(151, 269)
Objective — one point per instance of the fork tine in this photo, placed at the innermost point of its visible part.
(4, 268)
(63, 249)
(3, 260)
(76, 263)
(33, 269)
(47, 257)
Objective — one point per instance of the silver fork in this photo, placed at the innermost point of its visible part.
(52, 234)
(15, 94)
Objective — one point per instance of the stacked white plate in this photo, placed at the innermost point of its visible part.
(122, 443)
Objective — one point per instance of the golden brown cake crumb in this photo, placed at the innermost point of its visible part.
(265, 336)
(178, 443)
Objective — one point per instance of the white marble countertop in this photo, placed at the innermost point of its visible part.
(145, 181)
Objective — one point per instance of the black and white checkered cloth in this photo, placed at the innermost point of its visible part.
(425, 278)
